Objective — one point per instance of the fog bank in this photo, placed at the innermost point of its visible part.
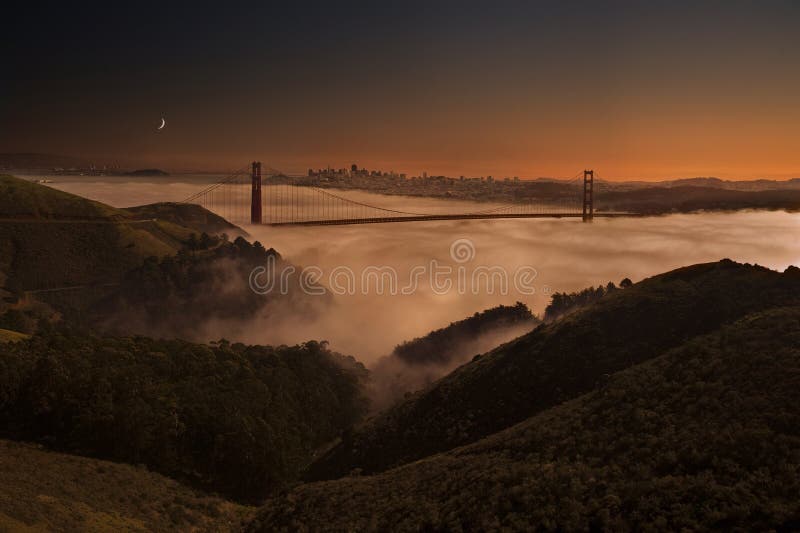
(566, 254)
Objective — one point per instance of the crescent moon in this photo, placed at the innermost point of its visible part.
(163, 123)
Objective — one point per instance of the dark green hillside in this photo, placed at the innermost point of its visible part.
(22, 199)
(415, 364)
(190, 216)
(704, 437)
(207, 282)
(241, 420)
(436, 346)
(48, 491)
(560, 361)
(40, 255)
(156, 269)
(51, 239)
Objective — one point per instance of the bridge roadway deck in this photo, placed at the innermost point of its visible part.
(477, 216)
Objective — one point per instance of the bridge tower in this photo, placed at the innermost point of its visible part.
(588, 195)
(255, 195)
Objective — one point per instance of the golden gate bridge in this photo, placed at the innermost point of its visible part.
(278, 199)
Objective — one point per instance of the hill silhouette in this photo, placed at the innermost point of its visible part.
(704, 436)
(190, 216)
(49, 491)
(236, 419)
(166, 269)
(415, 364)
(90, 242)
(205, 284)
(560, 361)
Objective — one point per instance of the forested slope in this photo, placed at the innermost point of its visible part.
(560, 361)
(49, 491)
(417, 363)
(705, 436)
(240, 420)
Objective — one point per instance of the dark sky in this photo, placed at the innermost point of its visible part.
(637, 89)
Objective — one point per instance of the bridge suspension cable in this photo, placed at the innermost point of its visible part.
(224, 181)
(281, 199)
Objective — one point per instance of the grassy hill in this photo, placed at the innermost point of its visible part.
(156, 269)
(22, 199)
(186, 215)
(560, 361)
(12, 336)
(704, 436)
(49, 238)
(48, 491)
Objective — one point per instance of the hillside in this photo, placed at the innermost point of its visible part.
(22, 199)
(11, 336)
(437, 346)
(187, 215)
(417, 363)
(202, 293)
(147, 172)
(89, 241)
(48, 491)
(164, 269)
(560, 361)
(234, 419)
(703, 437)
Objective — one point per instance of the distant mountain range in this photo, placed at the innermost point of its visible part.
(147, 172)
(709, 182)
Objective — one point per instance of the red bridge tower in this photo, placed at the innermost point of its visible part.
(588, 195)
(255, 197)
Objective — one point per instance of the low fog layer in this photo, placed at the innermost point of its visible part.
(566, 254)
(392, 378)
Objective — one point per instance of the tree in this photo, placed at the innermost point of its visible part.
(192, 243)
(205, 241)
